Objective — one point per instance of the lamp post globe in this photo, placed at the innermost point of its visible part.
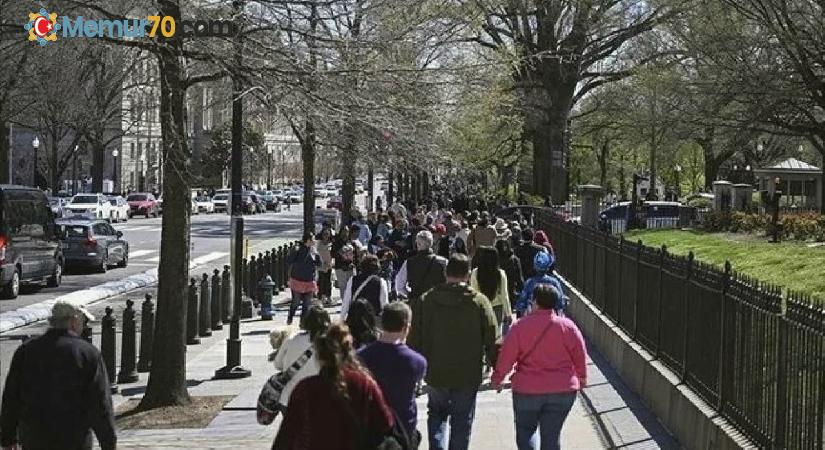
(35, 146)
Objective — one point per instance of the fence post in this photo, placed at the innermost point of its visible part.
(723, 338)
(638, 289)
(284, 270)
(781, 414)
(128, 353)
(205, 312)
(659, 302)
(226, 295)
(147, 334)
(192, 314)
(267, 266)
(216, 302)
(108, 346)
(686, 316)
(273, 270)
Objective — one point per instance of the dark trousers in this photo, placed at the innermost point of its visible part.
(459, 407)
(325, 283)
(298, 298)
(547, 412)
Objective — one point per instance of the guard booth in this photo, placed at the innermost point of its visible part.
(800, 183)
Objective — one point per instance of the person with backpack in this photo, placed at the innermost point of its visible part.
(368, 285)
(341, 408)
(303, 262)
(543, 268)
(397, 368)
(550, 360)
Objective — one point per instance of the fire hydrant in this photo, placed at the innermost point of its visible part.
(265, 288)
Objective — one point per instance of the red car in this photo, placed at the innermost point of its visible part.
(142, 204)
(336, 203)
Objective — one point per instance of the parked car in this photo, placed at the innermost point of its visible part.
(279, 195)
(29, 246)
(248, 205)
(220, 202)
(258, 203)
(143, 204)
(270, 200)
(336, 203)
(319, 192)
(92, 243)
(120, 208)
(95, 206)
(57, 204)
(359, 187)
(204, 204)
(193, 203)
(294, 196)
(159, 202)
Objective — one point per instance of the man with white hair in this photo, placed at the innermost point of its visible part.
(57, 389)
(422, 271)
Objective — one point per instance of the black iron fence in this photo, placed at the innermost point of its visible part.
(754, 354)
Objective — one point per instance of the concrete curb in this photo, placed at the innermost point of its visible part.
(40, 311)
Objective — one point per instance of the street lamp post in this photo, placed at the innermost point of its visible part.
(74, 171)
(115, 177)
(141, 175)
(268, 167)
(678, 181)
(35, 146)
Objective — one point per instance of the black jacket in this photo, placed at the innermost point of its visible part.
(303, 263)
(526, 253)
(425, 271)
(56, 391)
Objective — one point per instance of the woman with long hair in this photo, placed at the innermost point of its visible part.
(341, 408)
(490, 280)
(511, 266)
(367, 285)
(362, 322)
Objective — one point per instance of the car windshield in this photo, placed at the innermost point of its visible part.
(220, 197)
(70, 231)
(54, 201)
(136, 198)
(113, 201)
(85, 199)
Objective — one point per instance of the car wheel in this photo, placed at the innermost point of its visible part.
(12, 290)
(125, 261)
(57, 275)
(104, 265)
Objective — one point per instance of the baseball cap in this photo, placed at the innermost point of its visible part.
(62, 310)
(543, 261)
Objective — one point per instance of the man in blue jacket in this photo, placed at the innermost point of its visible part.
(543, 265)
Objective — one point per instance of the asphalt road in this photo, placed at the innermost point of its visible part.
(210, 242)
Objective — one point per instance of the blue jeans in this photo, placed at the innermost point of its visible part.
(545, 411)
(457, 405)
(297, 298)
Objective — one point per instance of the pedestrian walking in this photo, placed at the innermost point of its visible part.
(422, 271)
(490, 280)
(510, 264)
(541, 239)
(324, 240)
(397, 368)
(343, 259)
(550, 360)
(57, 389)
(527, 251)
(363, 323)
(543, 269)
(341, 408)
(297, 353)
(482, 235)
(303, 262)
(367, 285)
(455, 331)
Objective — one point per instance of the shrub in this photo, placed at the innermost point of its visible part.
(800, 227)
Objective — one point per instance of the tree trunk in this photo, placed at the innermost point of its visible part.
(5, 151)
(167, 378)
(549, 172)
(348, 181)
(308, 157)
(604, 154)
(390, 189)
(98, 162)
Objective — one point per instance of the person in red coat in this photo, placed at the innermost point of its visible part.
(341, 408)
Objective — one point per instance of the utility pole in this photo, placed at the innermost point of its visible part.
(233, 368)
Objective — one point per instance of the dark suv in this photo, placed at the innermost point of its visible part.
(29, 246)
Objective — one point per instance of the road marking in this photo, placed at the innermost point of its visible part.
(140, 228)
(155, 259)
(206, 258)
(139, 253)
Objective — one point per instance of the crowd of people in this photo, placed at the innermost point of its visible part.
(433, 300)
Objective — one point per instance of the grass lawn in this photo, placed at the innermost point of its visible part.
(790, 264)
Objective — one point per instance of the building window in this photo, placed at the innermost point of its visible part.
(132, 151)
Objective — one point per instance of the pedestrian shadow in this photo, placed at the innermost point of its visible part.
(255, 333)
(138, 390)
(489, 387)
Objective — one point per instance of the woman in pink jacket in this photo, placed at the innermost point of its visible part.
(549, 355)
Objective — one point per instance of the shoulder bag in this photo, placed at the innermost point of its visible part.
(269, 400)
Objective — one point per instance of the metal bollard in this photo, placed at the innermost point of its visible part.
(192, 314)
(226, 295)
(128, 353)
(244, 275)
(147, 334)
(108, 346)
(252, 279)
(267, 263)
(205, 311)
(265, 293)
(87, 334)
(217, 303)
(273, 272)
(284, 267)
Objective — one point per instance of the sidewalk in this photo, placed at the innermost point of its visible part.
(618, 424)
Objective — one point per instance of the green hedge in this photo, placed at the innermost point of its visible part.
(799, 227)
